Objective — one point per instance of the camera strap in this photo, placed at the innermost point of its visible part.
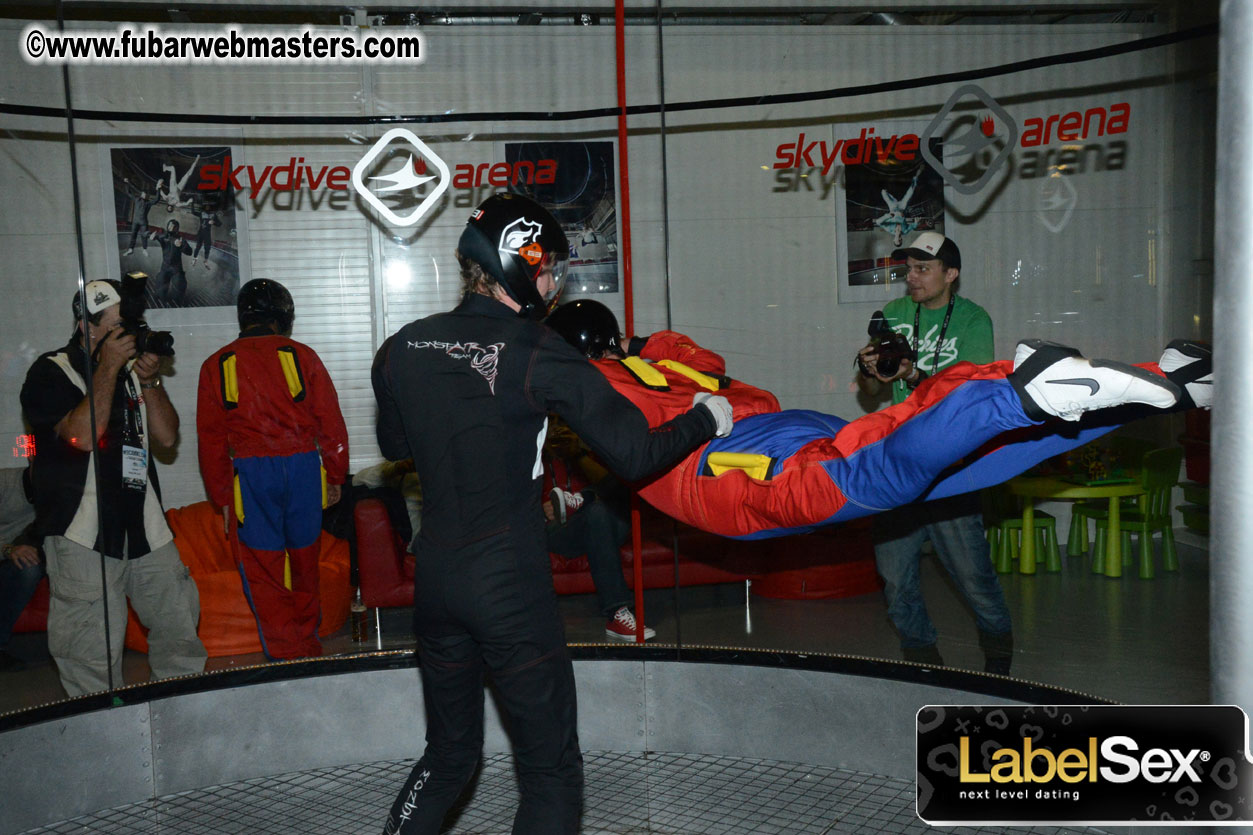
(939, 343)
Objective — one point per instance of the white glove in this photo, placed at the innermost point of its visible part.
(719, 407)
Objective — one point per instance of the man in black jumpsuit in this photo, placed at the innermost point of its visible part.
(141, 204)
(171, 282)
(466, 395)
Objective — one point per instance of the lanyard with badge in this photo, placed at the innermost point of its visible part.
(939, 343)
(134, 456)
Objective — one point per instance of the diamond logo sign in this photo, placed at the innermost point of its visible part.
(401, 177)
(976, 148)
(1057, 201)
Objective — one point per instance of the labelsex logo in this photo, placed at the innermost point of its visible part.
(408, 164)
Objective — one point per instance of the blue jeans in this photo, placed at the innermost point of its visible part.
(17, 586)
(598, 530)
(955, 527)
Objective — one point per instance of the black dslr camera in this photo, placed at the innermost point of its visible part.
(134, 303)
(891, 346)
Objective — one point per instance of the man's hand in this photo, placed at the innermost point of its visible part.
(147, 367)
(720, 408)
(549, 513)
(334, 492)
(23, 556)
(868, 359)
(116, 348)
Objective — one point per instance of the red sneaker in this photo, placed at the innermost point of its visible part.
(621, 626)
(565, 502)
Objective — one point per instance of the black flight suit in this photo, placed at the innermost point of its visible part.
(466, 394)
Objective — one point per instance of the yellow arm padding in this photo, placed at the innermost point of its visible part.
(701, 379)
(645, 373)
(230, 382)
(291, 372)
(757, 466)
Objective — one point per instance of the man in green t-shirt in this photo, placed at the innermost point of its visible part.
(942, 328)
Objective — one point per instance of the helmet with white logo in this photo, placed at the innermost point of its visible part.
(515, 240)
(587, 325)
(261, 301)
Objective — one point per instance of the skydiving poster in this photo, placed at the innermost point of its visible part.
(891, 195)
(581, 195)
(187, 240)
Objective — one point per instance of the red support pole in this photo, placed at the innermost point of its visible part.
(624, 189)
(624, 182)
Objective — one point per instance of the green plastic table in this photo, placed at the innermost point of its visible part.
(1050, 487)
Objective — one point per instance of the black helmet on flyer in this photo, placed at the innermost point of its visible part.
(587, 325)
(516, 239)
(264, 300)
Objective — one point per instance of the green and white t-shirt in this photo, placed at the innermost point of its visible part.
(967, 339)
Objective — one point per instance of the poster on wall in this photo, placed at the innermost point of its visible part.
(891, 195)
(575, 180)
(187, 240)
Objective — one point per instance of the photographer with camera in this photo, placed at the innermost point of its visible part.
(925, 331)
(108, 524)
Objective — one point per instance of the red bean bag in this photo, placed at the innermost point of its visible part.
(227, 626)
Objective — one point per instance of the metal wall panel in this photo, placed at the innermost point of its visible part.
(859, 723)
(112, 757)
(68, 767)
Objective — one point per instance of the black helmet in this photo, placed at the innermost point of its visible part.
(587, 325)
(262, 300)
(514, 238)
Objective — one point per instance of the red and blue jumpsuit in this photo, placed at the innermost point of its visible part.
(791, 471)
(268, 424)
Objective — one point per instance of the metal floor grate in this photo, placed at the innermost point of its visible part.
(626, 794)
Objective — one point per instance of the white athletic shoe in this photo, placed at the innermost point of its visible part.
(129, 251)
(1190, 365)
(1056, 380)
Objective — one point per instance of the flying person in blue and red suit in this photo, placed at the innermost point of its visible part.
(781, 472)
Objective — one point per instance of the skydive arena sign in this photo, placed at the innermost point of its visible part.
(1106, 765)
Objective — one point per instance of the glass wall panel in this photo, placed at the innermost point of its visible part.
(774, 166)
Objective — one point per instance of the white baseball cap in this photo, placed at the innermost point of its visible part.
(100, 295)
(930, 245)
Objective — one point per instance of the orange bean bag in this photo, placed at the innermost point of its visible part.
(227, 626)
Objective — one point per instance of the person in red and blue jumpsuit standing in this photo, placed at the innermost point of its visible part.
(273, 453)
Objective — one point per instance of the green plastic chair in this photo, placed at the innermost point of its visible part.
(1159, 473)
(1003, 523)
(1128, 451)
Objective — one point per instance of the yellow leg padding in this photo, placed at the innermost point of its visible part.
(287, 571)
(757, 466)
(324, 505)
(239, 501)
